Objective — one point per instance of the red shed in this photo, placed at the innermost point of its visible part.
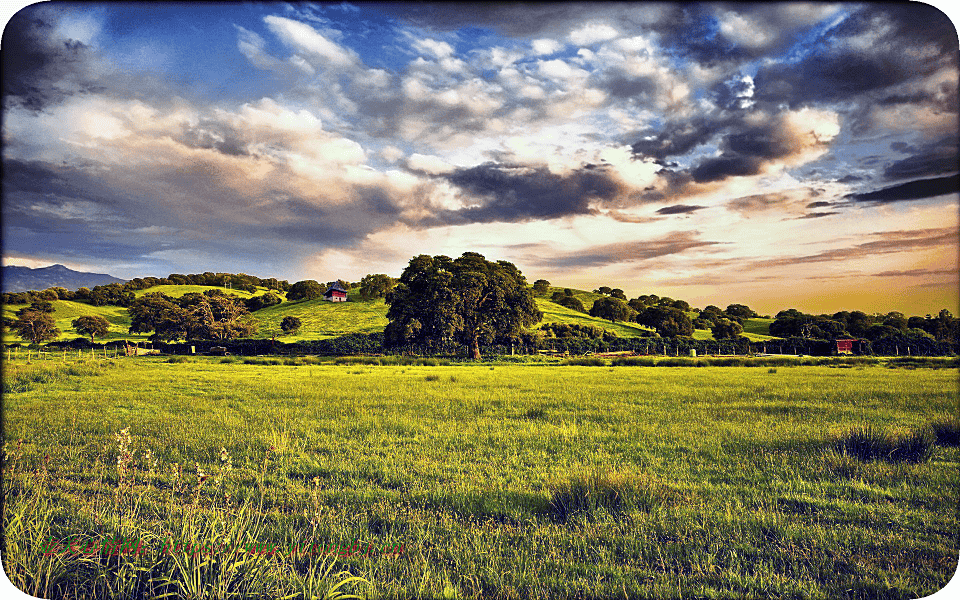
(336, 293)
(845, 346)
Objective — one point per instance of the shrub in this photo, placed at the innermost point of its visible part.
(585, 362)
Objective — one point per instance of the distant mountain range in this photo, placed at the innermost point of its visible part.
(21, 279)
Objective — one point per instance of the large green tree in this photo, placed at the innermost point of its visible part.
(376, 286)
(35, 324)
(469, 300)
(612, 309)
(291, 324)
(725, 329)
(669, 322)
(92, 325)
(308, 289)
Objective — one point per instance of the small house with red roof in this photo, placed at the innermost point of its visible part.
(336, 293)
(845, 346)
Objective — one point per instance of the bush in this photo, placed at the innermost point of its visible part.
(585, 362)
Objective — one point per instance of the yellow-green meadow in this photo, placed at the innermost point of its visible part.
(533, 480)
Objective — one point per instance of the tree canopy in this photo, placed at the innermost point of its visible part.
(36, 324)
(725, 329)
(469, 300)
(193, 316)
(376, 286)
(308, 289)
(290, 324)
(541, 286)
(92, 325)
(669, 322)
(612, 309)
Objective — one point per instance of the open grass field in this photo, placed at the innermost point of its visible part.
(498, 481)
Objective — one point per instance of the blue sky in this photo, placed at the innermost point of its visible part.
(781, 155)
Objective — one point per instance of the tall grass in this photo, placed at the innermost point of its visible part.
(871, 443)
(182, 545)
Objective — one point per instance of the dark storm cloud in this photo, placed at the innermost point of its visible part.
(524, 19)
(679, 138)
(679, 209)
(936, 158)
(38, 68)
(759, 202)
(728, 164)
(213, 135)
(512, 193)
(606, 254)
(817, 215)
(912, 190)
(850, 179)
(839, 71)
(828, 77)
(819, 204)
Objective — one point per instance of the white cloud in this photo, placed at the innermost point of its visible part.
(557, 69)
(433, 47)
(546, 46)
(591, 33)
(309, 42)
(391, 153)
(432, 165)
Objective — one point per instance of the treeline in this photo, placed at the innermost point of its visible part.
(373, 344)
(893, 327)
(122, 294)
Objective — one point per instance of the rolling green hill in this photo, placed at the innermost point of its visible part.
(554, 313)
(175, 291)
(323, 320)
(65, 311)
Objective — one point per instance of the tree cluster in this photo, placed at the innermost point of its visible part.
(856, 324)
(122, 294)
(469, 300)
(376, 286)
(577, 330)
(35, 323)
(568, 300)
(207, 316)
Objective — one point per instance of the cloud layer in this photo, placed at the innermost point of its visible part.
(599, 135)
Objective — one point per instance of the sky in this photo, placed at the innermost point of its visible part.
(780, 155)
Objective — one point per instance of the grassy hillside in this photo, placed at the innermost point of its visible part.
(322, 319)
(65, 311)
(175, 291)
(554, 313)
